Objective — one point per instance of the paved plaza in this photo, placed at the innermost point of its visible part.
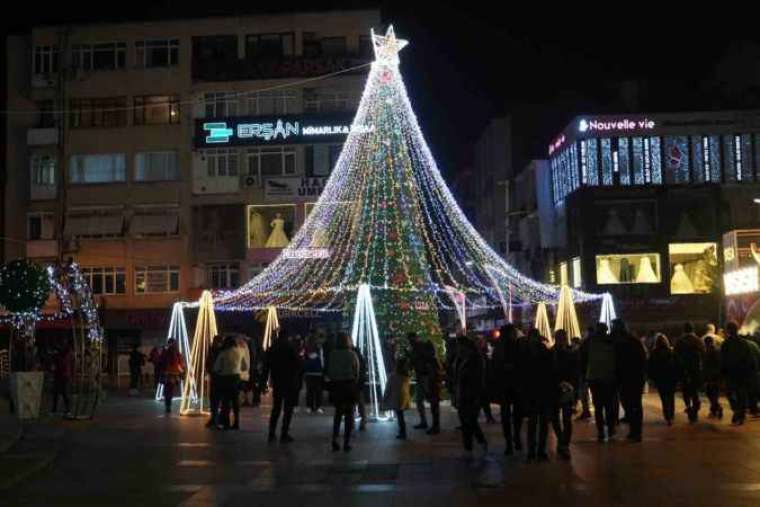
(134, 455)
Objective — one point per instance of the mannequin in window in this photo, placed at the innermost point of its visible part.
(680, 282)
(278, 238)
(604, 274)
(646, 272)
(257, 230)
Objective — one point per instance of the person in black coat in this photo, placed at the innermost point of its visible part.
(690, 353)
(470, 375)
(539, 384)
(567, 368)
(214, 388)
(427, 371)
(631, 365)
(284, 368)
(663, 371)
(506, 362)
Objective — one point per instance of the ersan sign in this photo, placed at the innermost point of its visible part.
(288, 129)
(615, 125)
(293, 189)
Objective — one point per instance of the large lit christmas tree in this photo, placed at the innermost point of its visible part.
(387, 219)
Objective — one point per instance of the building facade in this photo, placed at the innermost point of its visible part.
(646, 200)
(169, 157)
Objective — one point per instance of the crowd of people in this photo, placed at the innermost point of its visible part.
(540, 383)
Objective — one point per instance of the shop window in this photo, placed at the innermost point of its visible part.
(577, 281)
(635, 268)
(270, 225)
(693, 267)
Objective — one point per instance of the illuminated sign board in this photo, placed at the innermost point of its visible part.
(275, 130)
(593, 125)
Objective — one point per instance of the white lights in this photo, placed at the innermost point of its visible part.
(205, 330)
(366, 338)
(567, 319)
(271, 329)
(178, 332)
(542, 323)
(741, 281)
(459, 300)
(607, 315)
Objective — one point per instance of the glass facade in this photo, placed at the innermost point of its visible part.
(607, 167)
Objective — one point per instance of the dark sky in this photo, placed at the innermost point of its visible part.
(467, 63)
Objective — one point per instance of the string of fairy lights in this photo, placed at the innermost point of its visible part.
(387, 219)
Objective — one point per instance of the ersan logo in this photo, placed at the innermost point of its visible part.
(619, 125)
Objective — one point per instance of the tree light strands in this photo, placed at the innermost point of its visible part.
(542, 323)
(205, 330)
(505, 306)
(387, 219)
(567, 318)
(366, 339)
(607, 314)
(460, 305)
(271, 329)
(178, 332)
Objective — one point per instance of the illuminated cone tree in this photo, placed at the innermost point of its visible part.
(387, 219)
(205, 330)
(178, 332)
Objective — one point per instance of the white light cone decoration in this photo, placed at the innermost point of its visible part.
(459, 300)
(608, 310)
(567, 319)
(205, 330)
(385, 218)
(506, 307)
(367, 339)
(542, 323)
(177, 331)
(271, 329)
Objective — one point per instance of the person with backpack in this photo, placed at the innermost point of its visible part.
(690, 352)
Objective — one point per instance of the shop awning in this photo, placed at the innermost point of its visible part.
(165, 224)
(94, 225)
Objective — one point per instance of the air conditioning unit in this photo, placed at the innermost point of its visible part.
(251, 181)
(71, 244)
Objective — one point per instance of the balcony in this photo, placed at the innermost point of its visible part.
(43, 192)
(42, 136)
(276, 68)
(42, 248)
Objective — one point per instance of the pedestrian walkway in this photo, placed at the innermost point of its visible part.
(133, 455)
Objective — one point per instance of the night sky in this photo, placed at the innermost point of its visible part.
(467, 63)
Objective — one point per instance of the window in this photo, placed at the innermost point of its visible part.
(637, 268)
(334, 46)
(156, 166)
(100, 112)
(151, 221)
(106, 280)
(156, 279)
(277, 102)
(268, 162)
(607, 166)
(47, 116)
(104, 168)
(311, 45)
(43, 169)
(563, 275)
(156, 110)
(220, 104)
(40, 226)
(577, 280)
(676, 155)
(693, 267)
(321, 158)
(103, 56)
(623, 161)
(223, 276)
(320, 101)
(221, 162)
(46, 59)
(157, 53)
(269, 45)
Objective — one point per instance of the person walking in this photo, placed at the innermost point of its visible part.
(228, 366)
(485, 349)
(64, 371)
(283, 368)
(738, 368)
(313, 373)
(663, 371)
(362, 385)
(690, 352)
(173, 366)
(154, 358)
(712, 375)
(427, 371)
(582, 386)
(215, 393)
(397, 396)
(506, 364)
(631, 366)
(470, 375)
(343, 375)
(539, 389)
(601, 377)
(567, 364)
(136, 362)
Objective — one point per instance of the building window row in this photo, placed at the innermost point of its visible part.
(156, 279)
(102, 56)
(228, 103)
(146, 222)
(111, 168)
(223, 276)
(113, 111)
(106, 280)
(108, 55)
(654, 161)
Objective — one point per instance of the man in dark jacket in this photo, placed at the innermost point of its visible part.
(506, 363)
(284, 367)
(470, 388)
(631, 364)
(738, 368)
(690, 354)
(567, 364)
(601, 378)
(539, 384)
(427, 371)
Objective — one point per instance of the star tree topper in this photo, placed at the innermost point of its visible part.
(387, 46)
